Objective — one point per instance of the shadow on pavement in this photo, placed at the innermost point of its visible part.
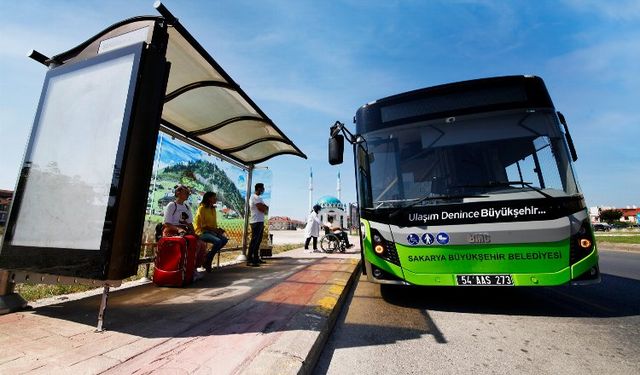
(387, 314)
(613, 297)
(230, 300)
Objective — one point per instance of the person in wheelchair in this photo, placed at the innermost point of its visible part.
(338, 231)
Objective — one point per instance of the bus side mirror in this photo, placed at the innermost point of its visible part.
(572, 148)
(336, 149)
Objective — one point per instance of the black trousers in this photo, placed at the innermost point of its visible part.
(254, 246)
(315, 242)
(343, 236)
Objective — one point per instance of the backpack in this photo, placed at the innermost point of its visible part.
(159, 227)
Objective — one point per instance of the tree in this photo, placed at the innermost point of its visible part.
(610, 216)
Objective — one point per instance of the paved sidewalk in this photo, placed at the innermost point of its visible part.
(265, 320)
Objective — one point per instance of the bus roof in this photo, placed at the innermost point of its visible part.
(460, 98)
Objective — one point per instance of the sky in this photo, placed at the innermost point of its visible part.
(309, 63)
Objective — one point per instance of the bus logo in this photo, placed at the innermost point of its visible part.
(442, 238)
(428, 239)
(479, 238)
(413, 239)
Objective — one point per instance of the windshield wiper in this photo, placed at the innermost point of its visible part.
(395, 213)
(389, 201)
(491, 184)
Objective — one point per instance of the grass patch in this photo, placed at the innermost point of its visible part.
(33, 292)
(282, 248)
(633, 239)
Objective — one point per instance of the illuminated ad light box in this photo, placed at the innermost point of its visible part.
(80, 200)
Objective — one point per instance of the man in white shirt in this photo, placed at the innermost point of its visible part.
(178, 220)
(258, 210)
(177, 215)
(338, 231)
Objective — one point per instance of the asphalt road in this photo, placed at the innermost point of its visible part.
(563, 330)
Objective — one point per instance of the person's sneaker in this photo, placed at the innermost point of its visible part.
(253, 264)
(198, 276)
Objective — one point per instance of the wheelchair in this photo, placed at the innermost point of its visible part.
(330, 243)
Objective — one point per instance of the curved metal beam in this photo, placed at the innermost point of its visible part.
(254, 142)
(196, 85)
(64, 56)
(284, 152)
(227, 122)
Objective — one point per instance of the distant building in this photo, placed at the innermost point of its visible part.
(5, 203)
(284, 223)
(630, 214)
(228, 213)
(332, 206)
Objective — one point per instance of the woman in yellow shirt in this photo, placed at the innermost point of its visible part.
(205, 224)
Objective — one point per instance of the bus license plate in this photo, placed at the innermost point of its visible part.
(499, 280)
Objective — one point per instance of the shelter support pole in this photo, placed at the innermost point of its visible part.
(247, 215)
(103, 307)
(9, 300)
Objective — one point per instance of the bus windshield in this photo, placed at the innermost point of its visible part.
(492, 156)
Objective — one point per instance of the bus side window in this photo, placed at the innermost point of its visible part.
(523, 169)
(538, 166)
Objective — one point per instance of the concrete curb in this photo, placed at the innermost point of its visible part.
(603, 245)
(298, 347)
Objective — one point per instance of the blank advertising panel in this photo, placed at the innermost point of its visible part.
(61, 220)
(73, 157)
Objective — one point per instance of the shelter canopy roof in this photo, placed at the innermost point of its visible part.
(202, 105)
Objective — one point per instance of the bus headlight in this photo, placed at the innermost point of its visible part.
(581, 243)
(379, 249)
(383, 248)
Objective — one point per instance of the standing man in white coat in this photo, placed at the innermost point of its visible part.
(312, 229)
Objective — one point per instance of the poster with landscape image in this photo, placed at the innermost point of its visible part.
(179, 163)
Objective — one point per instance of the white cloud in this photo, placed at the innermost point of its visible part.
(320, 102)
(610, 60)
(623, 10)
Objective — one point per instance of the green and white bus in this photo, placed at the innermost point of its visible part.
(469, 183)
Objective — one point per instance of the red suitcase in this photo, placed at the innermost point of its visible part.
(175, 261)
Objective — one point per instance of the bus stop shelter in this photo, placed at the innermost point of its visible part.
(118, 89)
